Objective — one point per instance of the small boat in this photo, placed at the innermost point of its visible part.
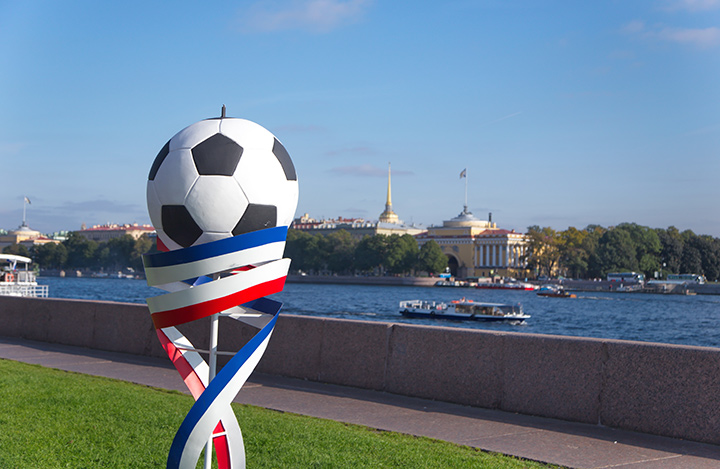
(462, 310)
(552, 291)
(19, 282)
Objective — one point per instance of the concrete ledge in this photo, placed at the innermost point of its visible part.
(660, 389)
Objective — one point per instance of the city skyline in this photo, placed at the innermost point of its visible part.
(563, 114)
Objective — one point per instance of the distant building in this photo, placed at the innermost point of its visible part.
(102, 233)
(388, 223)
(477, 248)
(25, 236)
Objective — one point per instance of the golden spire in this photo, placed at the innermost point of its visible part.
(388, 216)
(389, 197)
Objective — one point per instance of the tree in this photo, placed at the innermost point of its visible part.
(691, 262)
(304, 250)
(543, 249)
(119, 252)
(339, 249)
(709, 248)
(402, 253)
(573, 253)
(647, 247)
(81, 251)
(590, 244)
(431, 258)
(371, 252)
(50, 255)
(671, 248)
(17, 249)
(142, 245)
(616, 252)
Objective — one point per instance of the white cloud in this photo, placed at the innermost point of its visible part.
(633, 27)
(318, 16)
(698, 37)
(693, 5)
(707, 37)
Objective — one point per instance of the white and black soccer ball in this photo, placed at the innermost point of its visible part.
(219, 178)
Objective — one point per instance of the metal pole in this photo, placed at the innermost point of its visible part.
(466, 182)
(212, 363)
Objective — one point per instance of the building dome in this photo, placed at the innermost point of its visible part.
(25, 231)
(467, 219)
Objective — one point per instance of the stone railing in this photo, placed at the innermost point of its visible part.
(652, 388)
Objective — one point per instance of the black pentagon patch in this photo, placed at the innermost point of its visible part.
(217, 156)
(284, 158)
(179, 225)
(256, 217)
(158, 160)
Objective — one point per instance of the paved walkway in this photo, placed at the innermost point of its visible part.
(554, 441)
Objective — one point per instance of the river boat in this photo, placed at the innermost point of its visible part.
(19, 282)
(521, 286)
(552, 291)
(449, 283)
(455, 283)
(462, 310)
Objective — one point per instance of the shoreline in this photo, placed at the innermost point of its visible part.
(370, 280)
(570, 285)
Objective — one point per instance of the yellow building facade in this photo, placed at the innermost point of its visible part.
(478, 248)
(24, 236)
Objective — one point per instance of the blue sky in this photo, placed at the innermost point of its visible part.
(564, 113)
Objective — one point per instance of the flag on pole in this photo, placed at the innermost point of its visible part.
(27, 201)
(463, 173)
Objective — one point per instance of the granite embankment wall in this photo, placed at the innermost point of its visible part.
(652, 388)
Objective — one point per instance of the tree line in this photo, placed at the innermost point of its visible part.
(337, 253)
(80, 253)
(592, 252)
(340, 253)
(595, 251)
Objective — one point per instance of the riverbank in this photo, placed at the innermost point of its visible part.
(359, 280)
(570, 285)
(657, 288)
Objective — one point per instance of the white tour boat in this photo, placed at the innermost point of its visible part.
(19, 282)
(462, 310)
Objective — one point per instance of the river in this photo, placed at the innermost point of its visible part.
(673, 319)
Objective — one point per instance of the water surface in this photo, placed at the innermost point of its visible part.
(674, 319)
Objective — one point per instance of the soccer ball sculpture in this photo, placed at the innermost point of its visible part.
(221, 194)
(219, 178)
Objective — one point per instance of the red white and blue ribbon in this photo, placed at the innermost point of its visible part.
(230, 277)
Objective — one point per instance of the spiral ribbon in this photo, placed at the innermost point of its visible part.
(229, 277)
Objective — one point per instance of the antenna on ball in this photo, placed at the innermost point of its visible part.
(222, 113)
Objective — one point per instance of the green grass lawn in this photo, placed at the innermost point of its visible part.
(52, 419)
